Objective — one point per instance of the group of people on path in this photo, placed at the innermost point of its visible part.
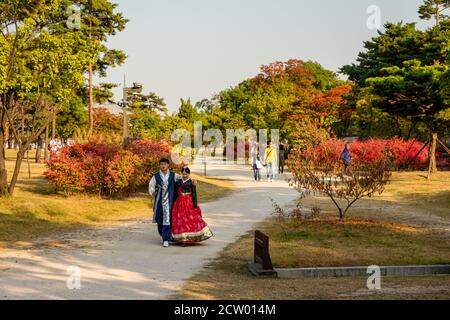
(175, 207)
(269, 161)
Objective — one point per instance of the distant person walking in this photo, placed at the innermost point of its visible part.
(346, 158)
(270, 160)
(256, 163)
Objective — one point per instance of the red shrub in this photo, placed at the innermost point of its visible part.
(404, 151)
(326, 153)
(148, 148)
(149, 153)
(400, 152)
(105, 168)
(120, 170)
(368, 151)
(66, 173)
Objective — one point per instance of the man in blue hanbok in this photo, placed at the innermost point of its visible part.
(162, 189)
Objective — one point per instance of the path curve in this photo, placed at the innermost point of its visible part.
(126, 261)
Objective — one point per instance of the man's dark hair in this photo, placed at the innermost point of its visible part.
(186, 170)
(164, 160)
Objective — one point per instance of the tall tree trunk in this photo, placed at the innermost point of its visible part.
(54, 124)
(21, 155)
(411, 129)
(28, 163)
(15, 176)
(18, 143)
(432, 168)
(91, 101)
(46, 144)
(7, 136)
(399, 127)
(3, 171)
(38, 149)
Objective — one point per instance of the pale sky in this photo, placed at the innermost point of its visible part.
(195, 48)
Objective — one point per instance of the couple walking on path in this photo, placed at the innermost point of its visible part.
(270, 160)
(175, 207)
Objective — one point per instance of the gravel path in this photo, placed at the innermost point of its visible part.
(126, 261)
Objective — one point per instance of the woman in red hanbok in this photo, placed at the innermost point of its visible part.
(188, 225)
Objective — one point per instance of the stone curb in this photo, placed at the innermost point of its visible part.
(417, 270)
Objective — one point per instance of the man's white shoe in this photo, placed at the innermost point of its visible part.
(165, 244)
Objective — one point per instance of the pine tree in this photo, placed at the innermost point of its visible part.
(99, 20)
(435, 9)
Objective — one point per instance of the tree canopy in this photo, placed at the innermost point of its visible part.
(403, 72)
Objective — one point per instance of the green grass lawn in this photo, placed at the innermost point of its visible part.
(412, 192)
(408, 224)
(356, 242)
(35, 210)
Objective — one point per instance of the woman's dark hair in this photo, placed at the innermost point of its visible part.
(164, 160)
(186, 170)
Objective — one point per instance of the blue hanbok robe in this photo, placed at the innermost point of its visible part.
(165, 198)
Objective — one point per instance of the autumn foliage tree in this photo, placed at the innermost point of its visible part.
(283, 95)
(107, 125)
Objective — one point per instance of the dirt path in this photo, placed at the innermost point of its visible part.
(127, 261)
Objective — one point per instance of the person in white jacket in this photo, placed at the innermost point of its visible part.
(256, 163)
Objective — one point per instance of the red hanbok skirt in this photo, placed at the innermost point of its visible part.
(188, 225)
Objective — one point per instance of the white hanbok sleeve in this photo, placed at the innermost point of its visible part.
(152, 186)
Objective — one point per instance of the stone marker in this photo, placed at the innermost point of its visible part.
(262, 264)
